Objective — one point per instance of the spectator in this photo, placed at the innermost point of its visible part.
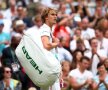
(102, 24)
(100, 8)
(9, 56)
(34, 8)
(106, 34)
(96, 55)
(77, 55)
(9, 59)
(23, 15)
(106, 64)
(65, 72)
(77, 34)
(4, 37)
(11, 12)
(79, 44)
(62, 29)
(37, 21)
(80, 78)
(7, 82)
(87, 32)
(102, 41)
(20, 27)
(101, 80)
(63, 54)
(77, 40)
(62, 10)
(7, 27)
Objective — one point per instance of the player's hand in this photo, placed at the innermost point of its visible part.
(56, 40)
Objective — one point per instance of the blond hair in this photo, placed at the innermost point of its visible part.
(46, 12)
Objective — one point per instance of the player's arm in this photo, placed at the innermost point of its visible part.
(47, 44)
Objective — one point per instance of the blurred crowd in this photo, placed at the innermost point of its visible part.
(82, 28)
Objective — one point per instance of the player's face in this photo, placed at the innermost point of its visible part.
(52, 17)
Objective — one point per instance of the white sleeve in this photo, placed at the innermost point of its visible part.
(91, 75)
(72, 73)
(87, 45)
(68, 55)
(45, 32)
(72, 45)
